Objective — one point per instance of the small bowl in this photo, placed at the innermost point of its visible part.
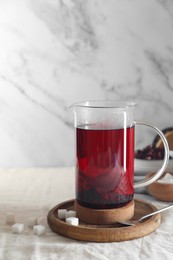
(143, 166)
(161, 190)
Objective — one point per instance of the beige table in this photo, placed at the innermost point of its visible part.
(33, 192)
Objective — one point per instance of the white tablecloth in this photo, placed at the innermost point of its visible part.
(33, 192)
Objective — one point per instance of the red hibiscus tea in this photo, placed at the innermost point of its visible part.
(105, 153)
(104, 167)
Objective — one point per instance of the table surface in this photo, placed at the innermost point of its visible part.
(32, 192)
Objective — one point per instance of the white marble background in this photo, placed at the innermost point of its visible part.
(56, 52)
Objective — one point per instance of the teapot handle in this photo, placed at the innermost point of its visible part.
(159, 173)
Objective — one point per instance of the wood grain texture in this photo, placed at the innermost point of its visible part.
(104, 216)
(104, 233)
(161, 191)
(169, 136)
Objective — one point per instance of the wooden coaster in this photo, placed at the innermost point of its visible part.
(105, 233)
(104, 216)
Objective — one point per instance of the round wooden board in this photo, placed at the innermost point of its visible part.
(105, 233)
(168, 132)
(159, 190)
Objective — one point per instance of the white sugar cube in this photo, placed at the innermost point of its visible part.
(61, 213)
(32, 221)
(39, 230)
(17, 228)
(10, 217)
(72, 221)
(70, 213)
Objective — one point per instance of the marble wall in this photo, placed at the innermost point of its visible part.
(56, 52)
